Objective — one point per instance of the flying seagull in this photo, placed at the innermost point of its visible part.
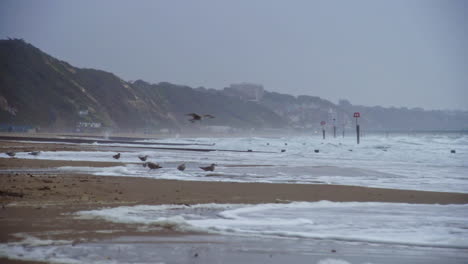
(209, 168)
(143, 158)
(181, 167)
(151, 165)
(116, 156)
(197, 117)
(10, 153)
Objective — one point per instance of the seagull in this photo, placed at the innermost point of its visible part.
(197, 117)
(209, 168)
(116, 156)
(181, 167)
(10, 153)
(143, 158)
(151, 165)
(34, 153)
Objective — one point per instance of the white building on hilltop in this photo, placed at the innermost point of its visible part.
(246, 91)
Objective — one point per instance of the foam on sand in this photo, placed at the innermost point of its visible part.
(392, 223)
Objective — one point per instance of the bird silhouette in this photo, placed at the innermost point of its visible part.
(34, 153)
(143, 158)
(10, 153)
(181, 167)
(151, 165)
(197, 117)
(116, 156)
(209, 168)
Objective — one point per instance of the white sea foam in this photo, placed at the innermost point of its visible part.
(332, 261)
(33, 249)
(52, 254)
(34, 241)
(407, 224)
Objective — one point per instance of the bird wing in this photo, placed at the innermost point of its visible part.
(209, 116)
(193, 115)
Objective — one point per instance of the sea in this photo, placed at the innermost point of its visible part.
(298, 232)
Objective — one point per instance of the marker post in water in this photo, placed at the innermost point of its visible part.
(334, 128)
(357, 115)
(344, 125)
(323, 128)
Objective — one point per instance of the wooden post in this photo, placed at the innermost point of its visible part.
(357, 131)
(357, 115)
(323, 128)
(334, 128)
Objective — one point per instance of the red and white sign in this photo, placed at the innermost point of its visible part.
(322, 123)
(357, 114)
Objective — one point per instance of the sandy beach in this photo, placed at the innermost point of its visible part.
(42, 204)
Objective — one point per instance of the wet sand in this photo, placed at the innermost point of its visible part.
(30, 200)
(41, 204)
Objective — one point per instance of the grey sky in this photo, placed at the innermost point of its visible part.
(391, 53)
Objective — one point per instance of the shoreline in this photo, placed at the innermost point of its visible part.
(46, 209)
(29, 201)
(42, 203)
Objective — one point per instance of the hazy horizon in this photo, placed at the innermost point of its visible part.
(389, 53)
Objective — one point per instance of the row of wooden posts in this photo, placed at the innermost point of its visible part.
(356, 115)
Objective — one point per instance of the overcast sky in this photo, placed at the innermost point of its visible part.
(409, 53)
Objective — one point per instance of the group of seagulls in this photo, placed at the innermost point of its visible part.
(154, 166)
(12, 154)
(150, 165)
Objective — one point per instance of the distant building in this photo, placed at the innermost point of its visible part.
(246, 91)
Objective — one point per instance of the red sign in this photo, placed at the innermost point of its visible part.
(322, 123)
(357, 114)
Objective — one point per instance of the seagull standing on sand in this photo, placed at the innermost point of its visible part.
(116, 156)
(34, 153)
(151, 165)
(143, 158)
(10, 153)
(209, 168)
(181, 167)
